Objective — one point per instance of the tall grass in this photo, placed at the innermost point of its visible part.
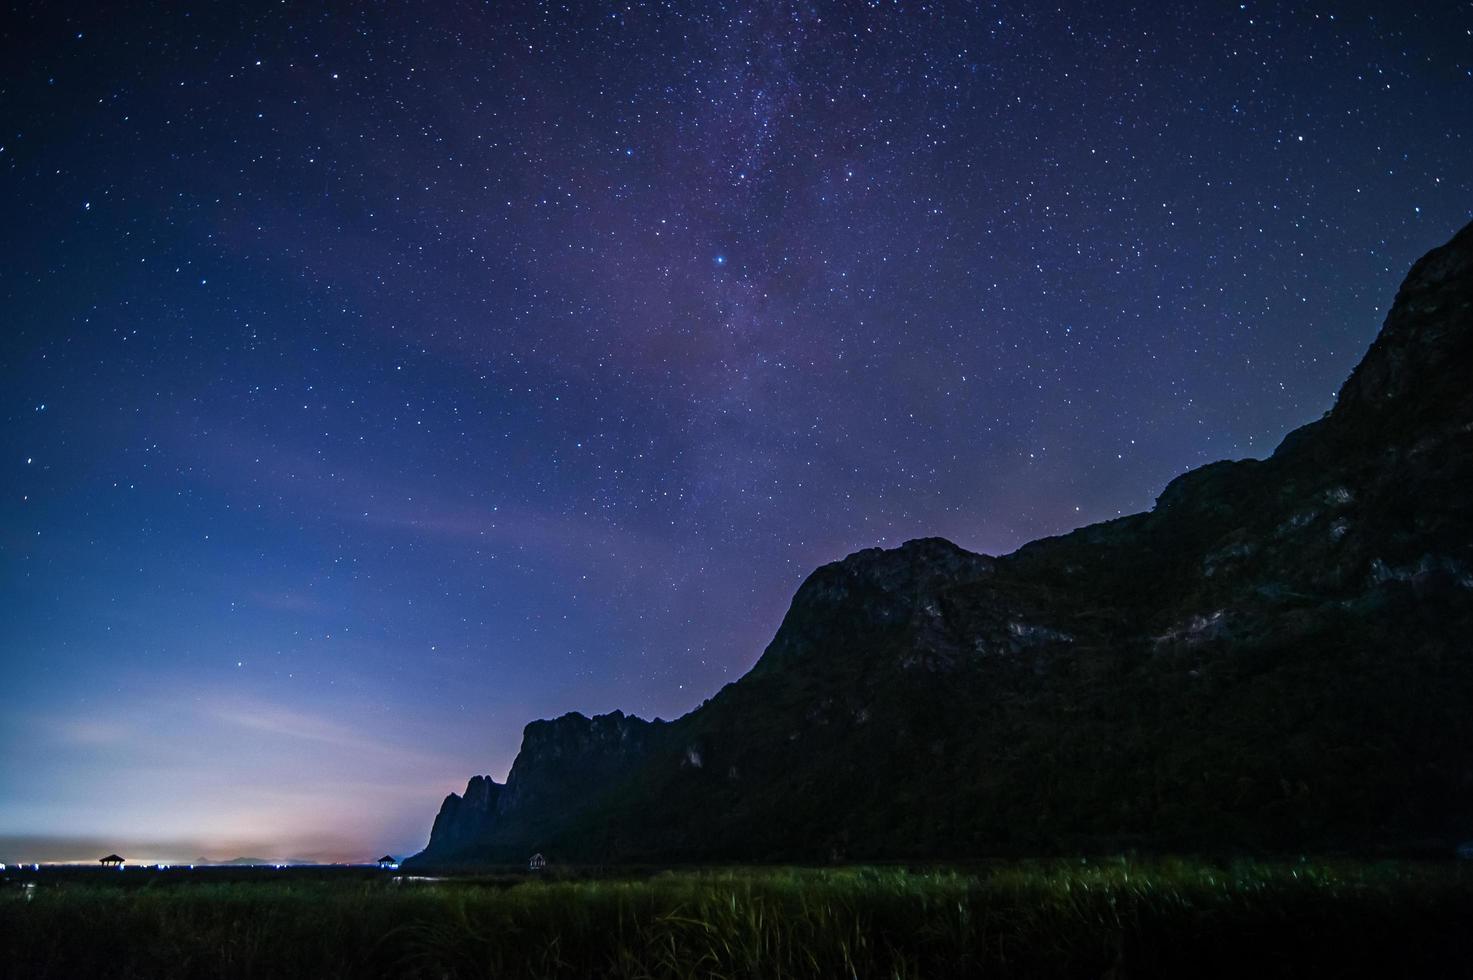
(1080, 919)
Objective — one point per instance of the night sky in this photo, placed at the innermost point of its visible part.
(376, 381)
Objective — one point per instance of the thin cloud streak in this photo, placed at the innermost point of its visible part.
(275, 720)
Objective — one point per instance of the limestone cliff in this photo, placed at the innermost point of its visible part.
(1277, 655)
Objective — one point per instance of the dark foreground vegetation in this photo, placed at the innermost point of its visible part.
(1096, 918)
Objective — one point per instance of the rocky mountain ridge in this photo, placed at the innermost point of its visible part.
(1277, 655)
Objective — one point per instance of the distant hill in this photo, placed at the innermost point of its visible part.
(1277, 656)
(251, 862)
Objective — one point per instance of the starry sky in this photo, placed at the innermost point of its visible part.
(375, 380)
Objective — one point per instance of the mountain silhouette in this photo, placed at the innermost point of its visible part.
(1277, 656)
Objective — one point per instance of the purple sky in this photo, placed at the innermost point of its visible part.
(375, 382)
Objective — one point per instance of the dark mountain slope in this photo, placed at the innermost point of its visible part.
(1276, 656)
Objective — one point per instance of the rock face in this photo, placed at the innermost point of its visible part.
(463, 820)
(562, 763)
(1278, 655)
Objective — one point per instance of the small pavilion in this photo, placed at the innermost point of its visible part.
(537, 863)
(387, 861)
(112, 861)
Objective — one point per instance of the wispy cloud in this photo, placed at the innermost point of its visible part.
(262, 779)
(88, 732)
(300, 726)
(242, 458)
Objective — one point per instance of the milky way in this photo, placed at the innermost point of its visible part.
(376, 381)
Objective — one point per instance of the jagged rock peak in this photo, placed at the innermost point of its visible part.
(1409, 387)
(1426, 337)
(481, 792)
(578, 726)
(872, 588)
(462, 819)
(917, 565)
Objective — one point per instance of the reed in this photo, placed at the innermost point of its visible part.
(1090, 918)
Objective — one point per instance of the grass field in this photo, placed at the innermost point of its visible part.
(1097, 918)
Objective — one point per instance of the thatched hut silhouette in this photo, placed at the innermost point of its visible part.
(111, 861)
(387, 861)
